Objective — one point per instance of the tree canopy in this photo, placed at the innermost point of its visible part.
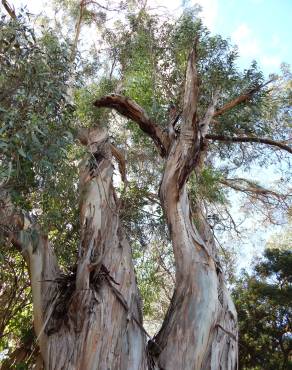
(263, 300)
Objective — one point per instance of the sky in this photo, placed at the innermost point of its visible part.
(261, 29)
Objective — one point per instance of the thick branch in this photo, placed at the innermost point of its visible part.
(130, 109)
(249, 139)
(205, 122)
(240, 99)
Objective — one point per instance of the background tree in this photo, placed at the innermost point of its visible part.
(263, 300)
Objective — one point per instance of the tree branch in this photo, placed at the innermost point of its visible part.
(249, 139)
(82, 6)
(191, 92)
(205, 122)
(237, 184)
(240, 99)
(130, 109)
(9, 9)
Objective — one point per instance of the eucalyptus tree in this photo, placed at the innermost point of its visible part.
(180, 92)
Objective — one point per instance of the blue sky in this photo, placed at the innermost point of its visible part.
(261, 29)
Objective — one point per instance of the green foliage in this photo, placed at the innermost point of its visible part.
(37, 153)
(141, 214)
(85, 112)
(263, 300)
(154, 273)
(15, 300)
(206, 186)
(35, 115)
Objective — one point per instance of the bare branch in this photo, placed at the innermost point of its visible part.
(82, 6)
(249, 139)
(92, 2)
(10, 10)
(240, 99)
(250, 187)
(130, 109)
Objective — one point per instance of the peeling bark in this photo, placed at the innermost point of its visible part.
(91, 319)
(201, 324)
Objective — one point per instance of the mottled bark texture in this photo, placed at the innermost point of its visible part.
(90, 319)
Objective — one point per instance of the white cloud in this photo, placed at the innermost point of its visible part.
(272, 61)
(209, 11)
(251, 49)
(246, 41)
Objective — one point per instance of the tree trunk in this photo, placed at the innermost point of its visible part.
(90, 319)
(200, 329)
